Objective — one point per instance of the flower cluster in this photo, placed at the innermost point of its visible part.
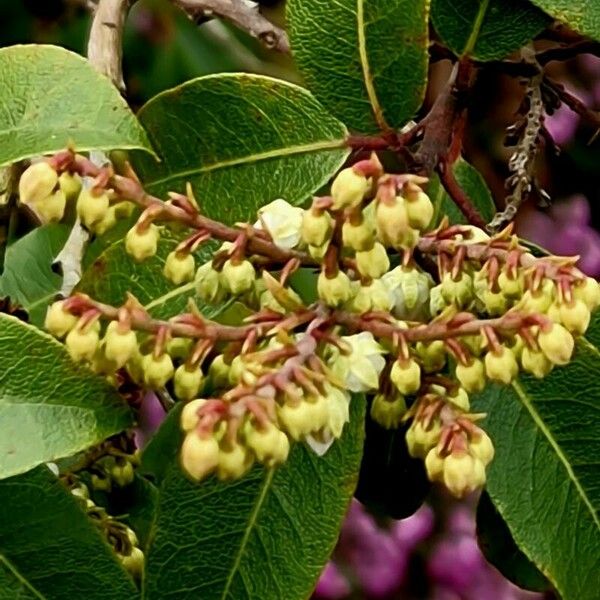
(417, 318)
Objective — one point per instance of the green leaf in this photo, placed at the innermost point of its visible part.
(366, 61)
(114, 273)
(49, 407)
(544, 479)
(486, 29)
(473, 183)
(499, 548)
(49, 549)
(242, 141)
(53, 98)
(582, 15)
(267, 535)
(28, 278)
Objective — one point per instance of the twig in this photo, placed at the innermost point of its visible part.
(244, 14)
(568, 52)
(576, 105)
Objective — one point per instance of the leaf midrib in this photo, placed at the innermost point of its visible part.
(478, 23)
(20, 577)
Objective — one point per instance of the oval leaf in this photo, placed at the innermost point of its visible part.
(366, 61)
(582, 15)
(49, 407)
(544, 479)
(49, 549)
(473, 183)
(242, 141)
(28, 279)
(40, 113)
(486, 29)
(267, 535)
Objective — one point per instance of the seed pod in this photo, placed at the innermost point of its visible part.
(142, 244)
(37, 182)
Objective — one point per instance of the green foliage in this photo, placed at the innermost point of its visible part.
(28, 279)
(242, 141)
(40, 113)
(474, 185)
(265, 536)
(366, 61)
(486, 29)
(546, 434)
(59, 553)
(581, 15)
(49, 407)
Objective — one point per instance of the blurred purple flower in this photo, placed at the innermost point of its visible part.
(332, 584)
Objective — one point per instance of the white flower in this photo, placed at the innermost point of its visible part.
(360, 369)
(282, 221)
(410, 292)
(338, 406)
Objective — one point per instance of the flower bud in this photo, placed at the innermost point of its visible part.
(463, 474)
(434, 465)
(471, 376)
(234, 461)
(317, 227)
(142, 244)
(122, 474)
(37, 182)
(188, 419)
(495, 303)
(557, 344)
(575, 316)
(270, 445)
(373, 263)
(359, 237)
(108, 221)
(540, 300)
(420, 439)
(70, 184)
(208, 284)
(535, 362)
(91, 208)
(338, 406)
(120, 343)
(134, 563)
(393, 228)
(501, 365)
(218, 372)
(410, 292)
(349, 189)
(318, 252)
(372, 297)
(388, 412)
(82, 342)
(334, 291)
(432, 355)
(460, 399)
(101, 483)
(419, 209)
(282, 221)
(457, 291)
(187, 381)
(199, 456)
(406, 376)
(157, 370)
(588, 291)
(58, 320)
(179, 268)
(302, 418)
(52, 208)
(481, 447)
(512, 287)
(238, 278)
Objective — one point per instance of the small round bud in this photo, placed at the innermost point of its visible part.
(463, 474)
(122, 474)
(575, 316)
(588, 291)
(187, 381)
(419, 209)
(142, 244)
(501, 365)
(37, 182)
(52, 208)
(495, 304)
(303, 418)
(393, 228)
(457, 291)
(372, 297)
(58, 320)
(317, 227)
(318, 252)
(109, 220)
(420, 439)
(388, 412)
(188, 419)
(432, 355)
(208, 284)
(157, 370)
(460, 399)
(482, 448)
(373, 263)
(82, 342)
(270, 445)
(120, 343)
(199, 455)
(406, 376)
(70, 184)
(334, 291)
(238, 278)
(471, 376)
(359, 237)
(234, 461)
(512, 287)
(535, 362)
(410, 289)
(179, 348)
(540, 300)
(282, 221)
(134, 563)
(91, 207)
(101, 482)
(557, 344)
(434, 465)
(218, 372)
(179, 268)
(349, 189)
